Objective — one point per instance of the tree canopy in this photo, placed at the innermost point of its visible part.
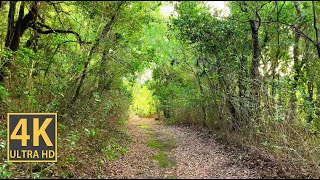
(250, 68)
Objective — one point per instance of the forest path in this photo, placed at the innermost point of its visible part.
(162, 151)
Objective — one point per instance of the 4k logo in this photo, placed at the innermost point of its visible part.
(32, 137)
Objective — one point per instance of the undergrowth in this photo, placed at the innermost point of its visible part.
(88, 139)
(288, 144)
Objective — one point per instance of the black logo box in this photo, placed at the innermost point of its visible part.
(15, 145)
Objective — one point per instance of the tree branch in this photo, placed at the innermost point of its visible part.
(242, 21)
(315, 23)
(292, 26)
(55, 51)
(242, 9)
(36, 27)
(263, 5)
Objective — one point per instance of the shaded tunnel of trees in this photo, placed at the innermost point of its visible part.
(253, 72)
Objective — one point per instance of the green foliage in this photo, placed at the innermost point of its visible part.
(73, 138)
(163, 160)
(171, 177)
(163, 145)
(71, 159)
(5, 173)
(3, 92)
(143, 102)
(208, 78)
(154, 144)
(90, 133)
(203, 72)
(145, 127)
(114, 150)
(36, 175)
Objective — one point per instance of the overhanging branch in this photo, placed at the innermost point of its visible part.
(294, 27)
(38, 27)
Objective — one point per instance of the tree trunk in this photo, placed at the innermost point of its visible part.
(166, 110)
(102, 84)
(2, 4)
(202, 104)
(15, 32)
(241, 80)
(277, 57)
(296, 63)
(242, 94)
(310, 81)
(296, 68)
(255, 64)
(10, 28)
(316, 29)
(23, 23)
(105, 30)
(310, 99)
(236, 124)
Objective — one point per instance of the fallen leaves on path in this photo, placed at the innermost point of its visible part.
(194, 156)
(136, 163)
(204, 158)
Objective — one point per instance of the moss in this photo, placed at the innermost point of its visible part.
(154, 143)
(162, 144)
(163, 159)
(165, 145)
(171, 143)
(143, 126)
(171, 177)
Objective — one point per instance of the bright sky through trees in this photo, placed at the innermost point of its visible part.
(168, 9)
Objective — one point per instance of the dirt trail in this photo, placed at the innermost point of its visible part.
(161, 151)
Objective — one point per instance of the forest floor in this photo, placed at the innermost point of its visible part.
(162, 151)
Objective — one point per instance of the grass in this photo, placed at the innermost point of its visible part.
(143, 126)
(163, 159)
(154, 143)
(165, 144)
(171, 177)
